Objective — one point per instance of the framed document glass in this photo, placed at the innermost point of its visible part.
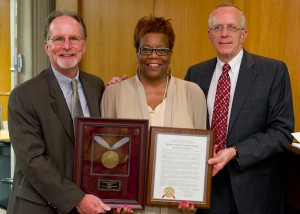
(110, 160)
(178, 168)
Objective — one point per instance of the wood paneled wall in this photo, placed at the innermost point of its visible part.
(4, 55)
(273, 29)
(110, 25)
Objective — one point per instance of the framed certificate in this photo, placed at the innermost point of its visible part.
(178, 168)
(110, 160)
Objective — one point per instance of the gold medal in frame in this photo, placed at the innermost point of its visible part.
(110, 160)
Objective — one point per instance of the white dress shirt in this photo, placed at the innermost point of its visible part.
(235, 64)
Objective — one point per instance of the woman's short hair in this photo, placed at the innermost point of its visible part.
(151, 24)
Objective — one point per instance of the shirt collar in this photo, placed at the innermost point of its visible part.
(64, 81)
(236, 61)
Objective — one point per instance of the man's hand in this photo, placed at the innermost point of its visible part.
(221, 158)
(91, 204)
(115, 80)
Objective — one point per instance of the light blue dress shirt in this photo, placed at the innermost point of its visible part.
(65, 84)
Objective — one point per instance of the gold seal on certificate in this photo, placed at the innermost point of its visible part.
(110, 159)
(169, 192)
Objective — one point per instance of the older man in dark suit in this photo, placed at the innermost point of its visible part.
(42, 129)
(258, 115)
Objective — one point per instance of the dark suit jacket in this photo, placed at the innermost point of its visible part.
(260, 124)
(42, 135)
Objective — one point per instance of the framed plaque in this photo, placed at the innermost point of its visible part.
(178, 168)
(110, 160)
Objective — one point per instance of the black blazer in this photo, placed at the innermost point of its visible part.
(260, 124)
(42, 136)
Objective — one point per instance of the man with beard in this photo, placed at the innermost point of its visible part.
(42, 126)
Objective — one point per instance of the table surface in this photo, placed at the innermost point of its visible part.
(293, 149)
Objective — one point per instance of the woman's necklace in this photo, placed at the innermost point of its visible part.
(157, 115)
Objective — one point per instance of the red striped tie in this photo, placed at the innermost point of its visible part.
(221, 106)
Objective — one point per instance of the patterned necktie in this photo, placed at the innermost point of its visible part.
(76, 110)
(221, 106)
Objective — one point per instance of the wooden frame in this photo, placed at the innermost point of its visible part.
(178, 168)
(110, 160)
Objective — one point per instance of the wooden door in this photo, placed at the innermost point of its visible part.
(4, 55)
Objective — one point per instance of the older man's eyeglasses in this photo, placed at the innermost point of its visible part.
(230, 28)
(158, 51)
(59, 40)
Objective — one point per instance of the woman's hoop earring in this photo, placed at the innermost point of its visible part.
(169, 71)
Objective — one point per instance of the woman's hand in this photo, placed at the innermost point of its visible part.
(125, 210)
(186, 207)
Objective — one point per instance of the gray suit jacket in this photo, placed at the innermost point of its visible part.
(42, 135)
(260, 124)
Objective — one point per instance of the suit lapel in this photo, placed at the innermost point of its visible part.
(90, 95)
(245, 81)
(59, 104)
(205, 78)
